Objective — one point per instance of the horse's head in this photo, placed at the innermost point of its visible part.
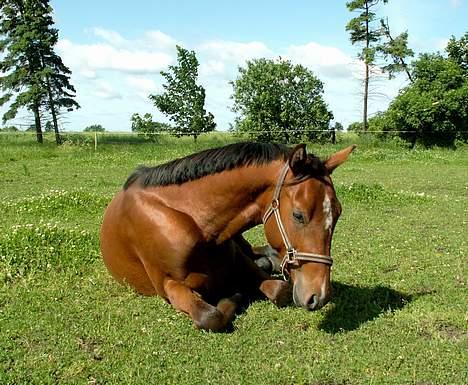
(300, 221)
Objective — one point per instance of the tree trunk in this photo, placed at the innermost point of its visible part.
(53, 111)
(405, 66)
(333, 135)
(366, 97)
(58, 139)
(366, 76)
(37, 122)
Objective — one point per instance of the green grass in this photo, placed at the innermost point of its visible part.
(398, 315)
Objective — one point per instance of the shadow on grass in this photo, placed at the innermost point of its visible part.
(354, 305)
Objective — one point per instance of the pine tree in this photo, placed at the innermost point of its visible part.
(19, 66)
(397, 49)
(32, 71)
(363, 31)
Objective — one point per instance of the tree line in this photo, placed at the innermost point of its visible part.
(274, 100)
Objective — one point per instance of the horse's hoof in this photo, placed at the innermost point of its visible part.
(236, 298)
(265, 264)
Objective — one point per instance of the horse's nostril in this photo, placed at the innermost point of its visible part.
(313, 302)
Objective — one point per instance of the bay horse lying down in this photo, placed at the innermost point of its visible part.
(175, 229)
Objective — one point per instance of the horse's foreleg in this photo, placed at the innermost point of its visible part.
(265, 257)
(204, 315)
(254, 277)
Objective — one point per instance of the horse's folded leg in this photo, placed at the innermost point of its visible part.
(267, 258)
(228, 306)
(204, 315)
(279, 292)
(217, 318)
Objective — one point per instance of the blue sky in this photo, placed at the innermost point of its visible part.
(116, 49)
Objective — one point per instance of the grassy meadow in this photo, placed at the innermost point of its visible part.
(399, 312)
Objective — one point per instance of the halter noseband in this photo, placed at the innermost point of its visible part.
(292, 255)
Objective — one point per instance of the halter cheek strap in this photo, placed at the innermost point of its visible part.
(292, 255)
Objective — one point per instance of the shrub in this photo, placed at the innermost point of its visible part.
(94, 128)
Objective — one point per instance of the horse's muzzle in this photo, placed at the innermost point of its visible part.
(310, 299)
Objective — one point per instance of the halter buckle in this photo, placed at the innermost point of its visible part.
(291, 255)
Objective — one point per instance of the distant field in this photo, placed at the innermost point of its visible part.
(399, 313)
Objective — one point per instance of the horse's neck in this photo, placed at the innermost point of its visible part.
(227, 203)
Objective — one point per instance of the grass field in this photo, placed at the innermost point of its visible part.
(399, 313)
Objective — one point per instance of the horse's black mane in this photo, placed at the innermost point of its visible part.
(212, 161)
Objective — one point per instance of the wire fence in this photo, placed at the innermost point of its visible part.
(121, 137)
(177, 133)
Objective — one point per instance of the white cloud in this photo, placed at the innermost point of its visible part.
(324, 60)
(89, 58)
(455, 3)
(105, 90)
(141, 83)
(441, 43)
(159, 40)
(88, 73)
(109, 36)
(212, 68)
(149, 54)
(86, 58)
(234, 52)
(143, 86)
(151, 40)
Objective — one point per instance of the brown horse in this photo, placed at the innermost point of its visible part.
(175, 229)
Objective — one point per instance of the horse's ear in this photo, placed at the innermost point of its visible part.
(298, 158)
(338, 158)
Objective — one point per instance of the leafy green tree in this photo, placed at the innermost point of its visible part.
(94, 128)
(276, 100)
(338, 127)
(395, 48)
(356, 127)
(380, 125)
(145, 126)
(32, 71)
(184, 100)
(433, 110)
(457, 50)
(364, 31)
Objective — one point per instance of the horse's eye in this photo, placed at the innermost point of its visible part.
(298, 216)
